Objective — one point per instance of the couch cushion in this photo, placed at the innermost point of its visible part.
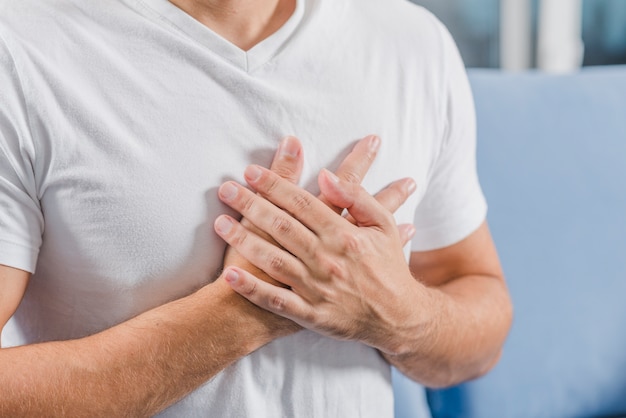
(552, 162)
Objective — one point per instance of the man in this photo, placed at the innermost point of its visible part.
(119, 120)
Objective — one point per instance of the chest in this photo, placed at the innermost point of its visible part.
(128, 170)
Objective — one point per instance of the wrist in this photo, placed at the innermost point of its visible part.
(256, 326)
(415, 330)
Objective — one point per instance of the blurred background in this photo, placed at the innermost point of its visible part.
(552, 35)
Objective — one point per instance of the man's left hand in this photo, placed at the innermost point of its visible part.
(345, 281)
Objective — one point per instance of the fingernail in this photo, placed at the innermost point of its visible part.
(332, 176)
(374, 143)
(411, 186)
(228, 191)
(231, 276)
(289, 147)
(253, 173)
(223, 225)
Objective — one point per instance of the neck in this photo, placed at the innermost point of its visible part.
(242, 22)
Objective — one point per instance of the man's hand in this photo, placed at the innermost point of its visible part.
(346, 281)
(288, 162)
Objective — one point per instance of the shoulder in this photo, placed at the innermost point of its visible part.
(402, 27)
(50, 24)
(30, 22)
(26, 30)
(403, 34)
(25, 13)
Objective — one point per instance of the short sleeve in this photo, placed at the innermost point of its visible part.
(453, 205)
(21, 220)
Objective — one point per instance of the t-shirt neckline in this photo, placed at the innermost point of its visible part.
(245, 60)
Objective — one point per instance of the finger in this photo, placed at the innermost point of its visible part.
(287, 163)
(406, 232)
(394, 195)
(363, 207)
(272, 298)
(302, 205)
(356, 165)
(288, 160)
(275, 262)
(286, 230)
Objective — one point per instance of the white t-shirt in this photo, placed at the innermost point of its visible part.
(119, 119)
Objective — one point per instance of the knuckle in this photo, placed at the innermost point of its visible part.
(276, 262)
(239, 238)
(277, 303)
(352, 177)
(285, 172)
(248, 205)
(272, 185)
(333, 268)
(282, 225)
(351, 242)
(326, 293)
(250, 290)
(301, 201)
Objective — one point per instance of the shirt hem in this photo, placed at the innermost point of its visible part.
(450, 233)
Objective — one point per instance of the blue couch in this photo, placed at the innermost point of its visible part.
(552, 161)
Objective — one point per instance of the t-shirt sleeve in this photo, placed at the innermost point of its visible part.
(453, 205)
(21, 220)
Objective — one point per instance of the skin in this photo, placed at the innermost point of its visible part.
(441, 320)
(147, 363)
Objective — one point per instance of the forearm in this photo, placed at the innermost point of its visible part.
(457, 331)
(139, 367)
